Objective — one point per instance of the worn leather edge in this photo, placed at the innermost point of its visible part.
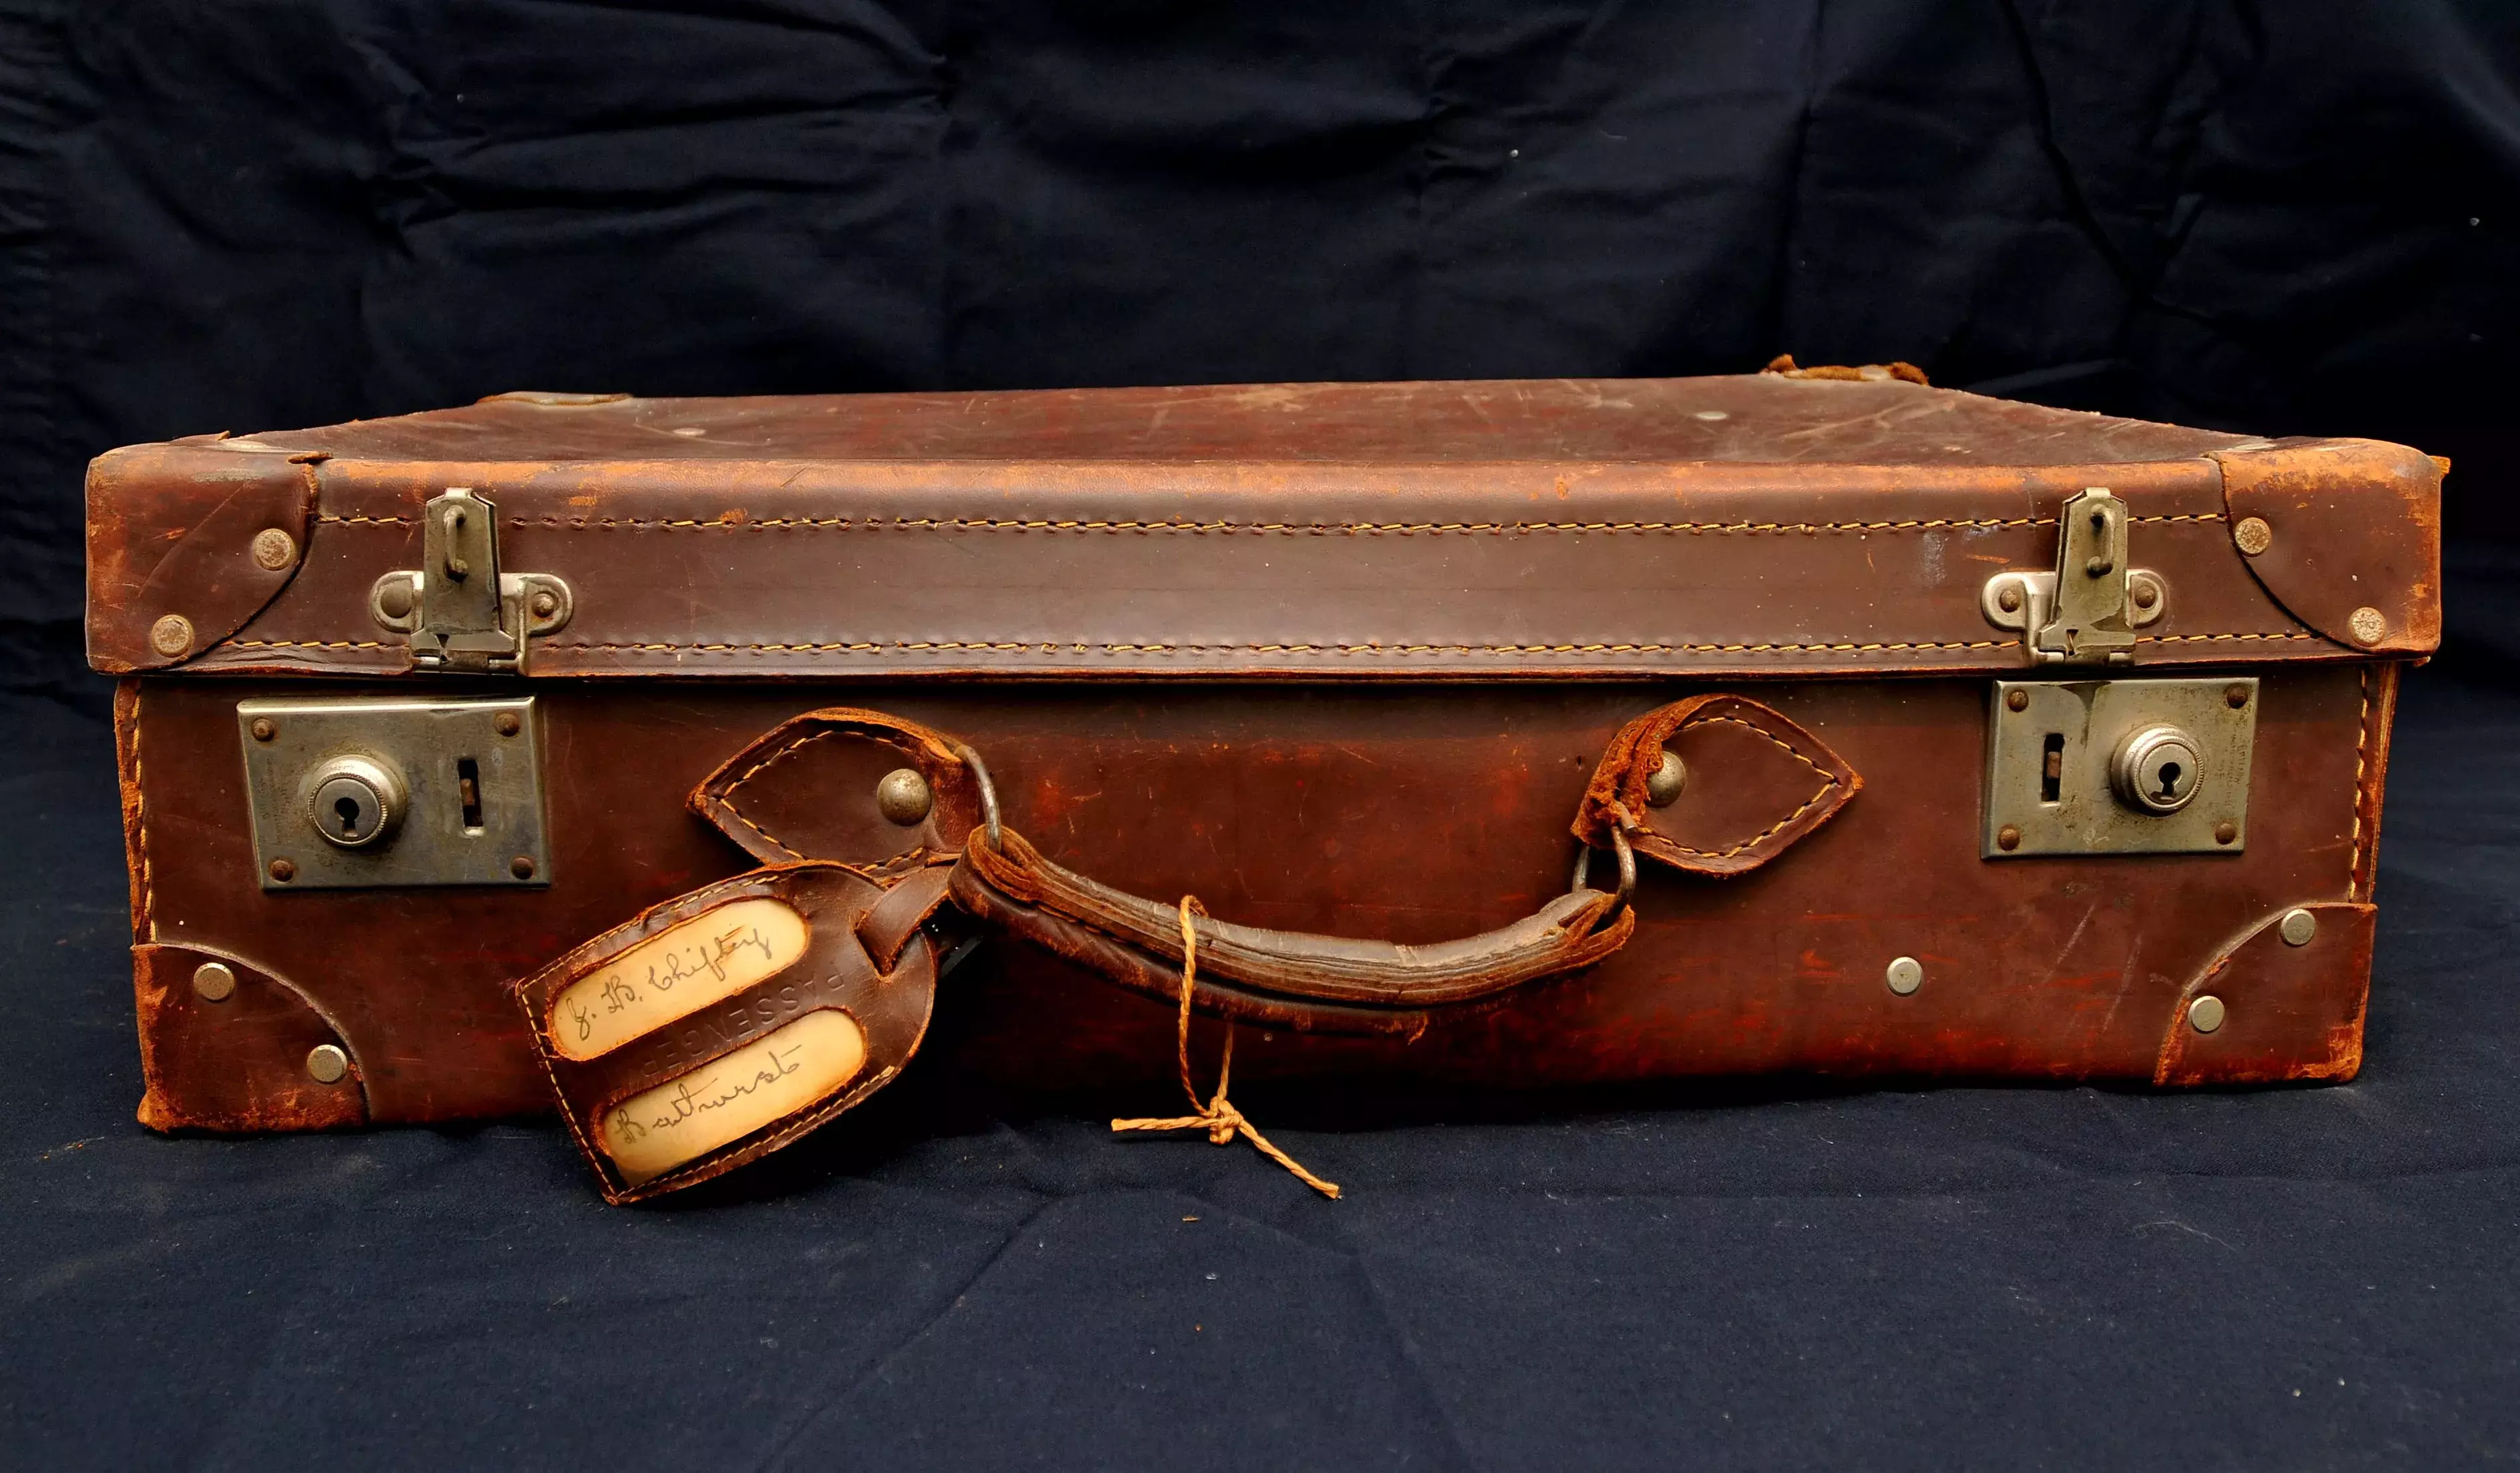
(2380, 714)
(1615, 798)
(956, 808)
(2355, 524)
(170, 530)
(278, 1097)
(2324, 985)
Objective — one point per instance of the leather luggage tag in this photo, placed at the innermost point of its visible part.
(722, 1024)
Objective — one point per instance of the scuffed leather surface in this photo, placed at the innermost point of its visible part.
(170, 530)
(238, 1065)
(2294, 1013)
(2357, 524)
(1756, 783)
(890, 1004)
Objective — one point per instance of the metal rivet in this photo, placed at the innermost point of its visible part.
(1663, 788)
(506, 724)
(522, 866)
(2225, 831)
(171, 635)
(545, 604)
(283, 870)
(904, 796)
(2297, 927)
(2016, 700)
(2007, 839)
(263, 729)
(2205, 1015)
(2145, 593)
(2367, 625)
(2252, 535)
(2236, 695)
(2009, 598)
(274, 549)
(214, 982)
(326, 1063)
(395, 599)
(1905, 975)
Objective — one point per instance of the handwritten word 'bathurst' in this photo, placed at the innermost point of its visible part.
(673, 974)
(782, 1072)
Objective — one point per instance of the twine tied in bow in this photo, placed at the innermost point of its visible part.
(1218, 1117)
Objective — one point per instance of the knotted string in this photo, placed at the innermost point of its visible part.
(1218, 1117)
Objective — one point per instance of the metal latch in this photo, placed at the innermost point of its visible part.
(462, 613)
(2088, 610)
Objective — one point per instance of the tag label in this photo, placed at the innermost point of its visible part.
(775, 1076)
(673, 974)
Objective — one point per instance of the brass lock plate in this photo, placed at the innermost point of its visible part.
(364, 793)
(2119, 767)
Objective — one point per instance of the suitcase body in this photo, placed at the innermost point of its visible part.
(2020, 743)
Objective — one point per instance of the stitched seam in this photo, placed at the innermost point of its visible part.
(1763, 834)
(1054, 647)
(726, 800)
(307, 645)
(1828, 781)
(1120, 525)
(140, 815)
(2362, 764)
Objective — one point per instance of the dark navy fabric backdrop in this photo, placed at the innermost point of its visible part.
(2294, 218)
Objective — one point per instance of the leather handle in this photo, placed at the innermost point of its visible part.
(1279, 978)
(808, 790)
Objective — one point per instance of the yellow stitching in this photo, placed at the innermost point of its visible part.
(2190, 639)
(1055, 646)
(308, 644)
(1828, 781)
(140, 818)
(1283, 528)
(2361, 750)
(1763, 835)
(726, 799)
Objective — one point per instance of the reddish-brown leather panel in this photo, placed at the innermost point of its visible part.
(2355, 524)
(237, 1063)
(170, 530)
(2292, 1013)
(1319, 570)
(1418, 814)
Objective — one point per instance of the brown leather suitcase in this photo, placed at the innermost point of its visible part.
(1902, 733)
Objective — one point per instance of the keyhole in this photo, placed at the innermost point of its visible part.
(2170, 780)
(348, 809)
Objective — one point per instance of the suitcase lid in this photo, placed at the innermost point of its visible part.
(1834, 520)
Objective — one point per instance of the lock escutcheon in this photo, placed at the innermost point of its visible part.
(2156, 769)
(356, 801)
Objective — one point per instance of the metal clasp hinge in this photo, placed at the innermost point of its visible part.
(2088, 610)
(461, 611)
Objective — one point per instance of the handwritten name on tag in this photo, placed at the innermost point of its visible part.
(785, 1071)
(673, 974)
